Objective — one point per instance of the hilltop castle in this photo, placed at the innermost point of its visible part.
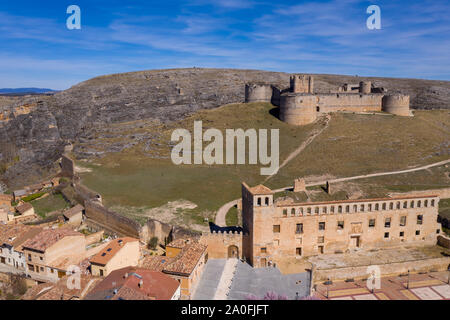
(299, 105)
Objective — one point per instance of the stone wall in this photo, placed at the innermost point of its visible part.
(221, 244)
(396, 104)
(67, 166)
(444, 241)
(255, 92)
(334, 102)
(112, 221)
(391, 269)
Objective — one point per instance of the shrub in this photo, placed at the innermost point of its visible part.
(153, 243)
(33, 196)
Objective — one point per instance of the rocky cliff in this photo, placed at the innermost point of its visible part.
(35, 129)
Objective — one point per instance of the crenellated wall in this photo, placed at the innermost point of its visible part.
(222, 245)
(299, 105)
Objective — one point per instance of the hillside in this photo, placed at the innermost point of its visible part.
(34, 129)
(141, 181)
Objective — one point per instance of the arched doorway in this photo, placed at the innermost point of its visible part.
(233, 252)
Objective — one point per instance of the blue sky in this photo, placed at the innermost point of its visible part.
(329, 36)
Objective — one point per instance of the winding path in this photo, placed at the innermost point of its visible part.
(222, 212)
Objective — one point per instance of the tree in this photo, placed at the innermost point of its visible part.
(153, 243)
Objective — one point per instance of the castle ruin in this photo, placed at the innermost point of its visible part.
(300, 105)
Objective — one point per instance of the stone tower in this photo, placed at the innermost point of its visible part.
(397, 104)
(298, 109)
(301, 83)
(257, 211)
(365, 87)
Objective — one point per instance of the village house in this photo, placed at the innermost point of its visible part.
(74, 216)
(24, 213)
(12, 238)
(132, 283)
(19, 194)
(4, 213)
(50, 253)
(184, 261)
(119, 253)
(60, 290)
(6, 200)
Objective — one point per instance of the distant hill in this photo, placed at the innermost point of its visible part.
(25, 91)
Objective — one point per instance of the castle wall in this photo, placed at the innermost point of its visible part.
(396, 104)
(334, 102)
(113, 222)
(247, 223)
(221, 245)
(299, 109)
(258, 92)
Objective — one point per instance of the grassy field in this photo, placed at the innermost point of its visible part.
(49, 204)
(352, 145)
(232, 218)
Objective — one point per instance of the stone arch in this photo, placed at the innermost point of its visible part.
(233, 252)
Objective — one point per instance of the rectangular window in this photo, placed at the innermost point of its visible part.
(372, 223)
(417, 232)
(419, 219)
(298, 251)
(340, 225)
(276, 228)
(403, 221)
(320, 239)
(263, 250)
(276, 242)
(299, 228)
(387, 223)
(320, 249)
(321, 225)
(402, 233)
(386, 235)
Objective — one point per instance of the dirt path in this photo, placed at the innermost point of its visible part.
(304, 144)
(223, 211)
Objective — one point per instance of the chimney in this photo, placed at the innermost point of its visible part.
(141, 284)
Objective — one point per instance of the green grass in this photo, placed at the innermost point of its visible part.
(231, 218)
(33, 196)
(352, 145)
(49, 204)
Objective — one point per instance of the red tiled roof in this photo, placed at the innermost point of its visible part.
(49, 237)
(114, 246)
(73, 211)
(260, 189)
(127, 281)
(16, 235)
(24, 208)
(184, 263)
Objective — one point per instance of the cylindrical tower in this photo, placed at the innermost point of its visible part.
(298, 109)
(256, 92)
(365, 87)
(396, 104)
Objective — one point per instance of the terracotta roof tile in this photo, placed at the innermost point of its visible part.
(260, 189)
(124, 284)
(73, 211)
(184, 263)
(24, 208)
(107, 253)
(49, 237)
